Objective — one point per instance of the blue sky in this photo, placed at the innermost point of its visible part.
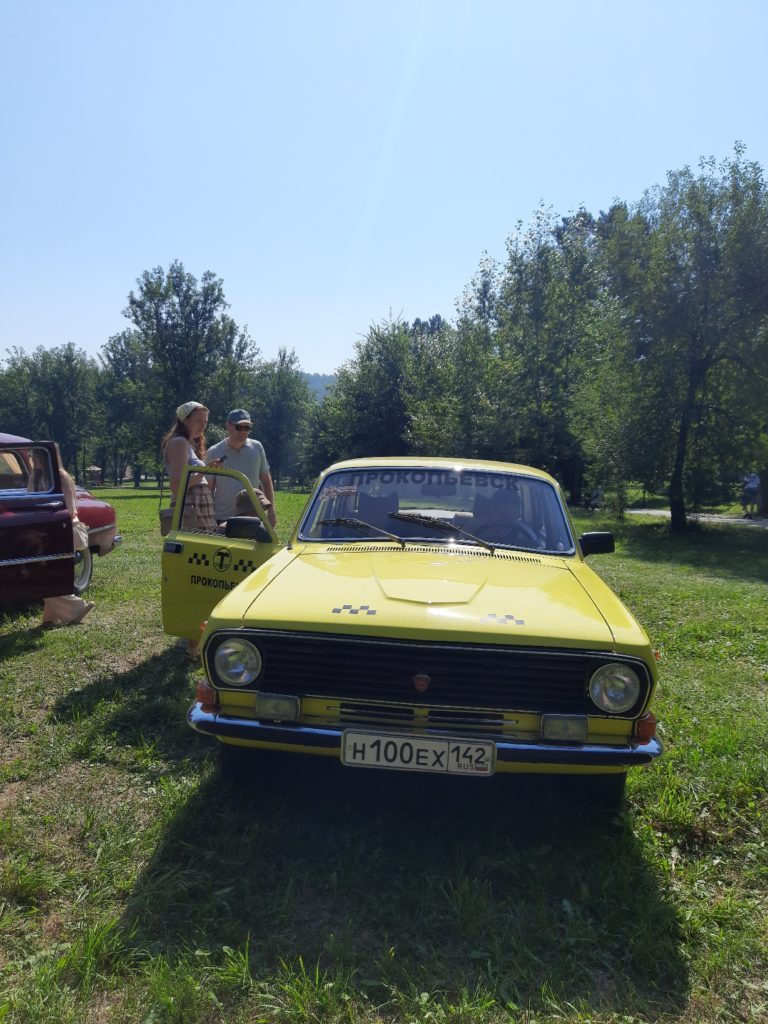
(336, 163)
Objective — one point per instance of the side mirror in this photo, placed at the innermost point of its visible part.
(246, 528)
(596, 544)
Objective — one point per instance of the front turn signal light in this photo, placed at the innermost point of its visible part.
(206, 696)
(645, 727)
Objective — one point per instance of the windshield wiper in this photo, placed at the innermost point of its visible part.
(359, 524)
(439, 524)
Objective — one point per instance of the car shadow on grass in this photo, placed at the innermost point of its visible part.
(407, 880)
(144, 702)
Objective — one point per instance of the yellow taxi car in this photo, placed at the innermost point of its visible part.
(429, 615)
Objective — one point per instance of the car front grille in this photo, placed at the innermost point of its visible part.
(502, 678)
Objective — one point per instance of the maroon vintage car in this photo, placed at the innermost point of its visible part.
(36, 557)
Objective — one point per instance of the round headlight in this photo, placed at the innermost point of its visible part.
(615, 688)
(237, 662)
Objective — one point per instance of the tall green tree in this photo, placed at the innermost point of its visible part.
(545, 313)
(365, 411)
(432, 394)
(50, 393)
(688, 265)
(281, 406)
(130, 401)
(188, 337)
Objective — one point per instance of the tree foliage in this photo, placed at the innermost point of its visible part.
(628, 346)
(281, 407)
(687, 265)
(51, 393)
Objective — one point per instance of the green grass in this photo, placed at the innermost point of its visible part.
(638, 497)
(134, 887)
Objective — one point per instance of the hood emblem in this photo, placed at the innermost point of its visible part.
(421, 682)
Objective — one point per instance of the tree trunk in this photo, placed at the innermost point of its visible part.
(679, 519)
(696, 377)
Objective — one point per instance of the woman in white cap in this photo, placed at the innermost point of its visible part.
(184, 445)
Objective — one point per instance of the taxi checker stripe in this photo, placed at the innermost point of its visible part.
(354, 611)
(503, 620)
(241, 565)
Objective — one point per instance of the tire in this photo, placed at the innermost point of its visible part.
(83, 570)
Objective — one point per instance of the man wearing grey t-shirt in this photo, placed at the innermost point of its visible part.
(247, 456)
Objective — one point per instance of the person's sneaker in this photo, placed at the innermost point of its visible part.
(87, 607)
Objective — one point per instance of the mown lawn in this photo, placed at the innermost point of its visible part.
(134, 887)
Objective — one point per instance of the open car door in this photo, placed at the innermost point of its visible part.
(37, 557)
(200, 567)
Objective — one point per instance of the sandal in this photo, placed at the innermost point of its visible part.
(87, 607)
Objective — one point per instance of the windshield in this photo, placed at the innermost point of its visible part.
(438, 506)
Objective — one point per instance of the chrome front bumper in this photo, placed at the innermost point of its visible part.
(594, 755)
(104, 545)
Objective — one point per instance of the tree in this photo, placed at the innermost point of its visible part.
(365, 411)
(603, 412)
(51, 394)
(432, 400)
(688, 265)
(188, 338)
(130, 400)
(545, 314)
(281, 407)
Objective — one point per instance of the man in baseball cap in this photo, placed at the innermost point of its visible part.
(245, 454)
(239, 417)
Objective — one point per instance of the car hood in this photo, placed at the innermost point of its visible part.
(504, 598)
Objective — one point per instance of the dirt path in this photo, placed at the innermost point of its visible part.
(704, 517)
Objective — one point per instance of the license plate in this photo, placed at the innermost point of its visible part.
(418, 753)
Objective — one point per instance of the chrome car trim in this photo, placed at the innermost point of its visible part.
(35, 559)
(100, 529)
(214, 724)
(587, 754)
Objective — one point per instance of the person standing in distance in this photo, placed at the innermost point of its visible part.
(246, 455)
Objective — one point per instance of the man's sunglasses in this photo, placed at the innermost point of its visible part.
(245, 427)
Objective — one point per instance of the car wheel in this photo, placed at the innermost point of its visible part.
(236, 764)
(83, 570)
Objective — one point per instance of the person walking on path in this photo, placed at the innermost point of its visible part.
(245, 454)
(749, 494)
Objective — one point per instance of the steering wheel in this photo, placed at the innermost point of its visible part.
(515, 532)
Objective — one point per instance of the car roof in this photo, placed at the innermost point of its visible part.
(12, 439)
(434, 462)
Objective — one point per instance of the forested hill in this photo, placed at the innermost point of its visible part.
(319, 383)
